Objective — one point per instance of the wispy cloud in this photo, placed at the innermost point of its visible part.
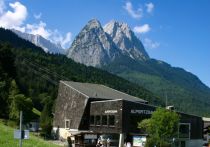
(133, 13)
(150, 7)
(63, 40)
(53, 35)
(149, 44)
(38, 16)
(142, 29)
(16, 18)
(38, 29)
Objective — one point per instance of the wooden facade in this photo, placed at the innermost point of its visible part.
(128, 114)
(99, 110)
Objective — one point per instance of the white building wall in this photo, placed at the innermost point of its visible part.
(63, 133)
(194, 143)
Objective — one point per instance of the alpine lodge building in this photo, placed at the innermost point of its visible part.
(87, 112)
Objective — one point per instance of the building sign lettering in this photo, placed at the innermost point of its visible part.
(147, 112)
(110, 111)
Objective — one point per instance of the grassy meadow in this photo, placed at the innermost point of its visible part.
(7, 139)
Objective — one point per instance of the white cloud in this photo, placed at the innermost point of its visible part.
(142, 29)
(149, 44)
(150, 7)
(21, 28)
(53, 35)
(64, 41)
(15, 18)
(133, 13)
(38, 16)
(38, 29)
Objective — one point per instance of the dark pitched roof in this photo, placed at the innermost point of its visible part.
(101, 91)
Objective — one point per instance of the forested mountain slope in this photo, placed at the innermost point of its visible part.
(37, 73)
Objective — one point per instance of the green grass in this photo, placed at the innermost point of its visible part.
(7, 139)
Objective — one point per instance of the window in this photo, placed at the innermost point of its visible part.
(104, 119)
(111, 120)
(92, 120)
(98, 120)
(184, 130)
(67, 123)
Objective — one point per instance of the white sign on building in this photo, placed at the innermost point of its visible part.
(147, 112)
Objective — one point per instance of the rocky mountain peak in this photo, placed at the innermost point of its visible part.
(92, 46)
(97, 46)
(93, 26)
(115, 27)
(93, 23)
(126, 40)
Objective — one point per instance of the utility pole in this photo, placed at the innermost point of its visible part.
(21, 118)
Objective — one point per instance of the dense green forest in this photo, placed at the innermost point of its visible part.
(31, 76)
(181, 88)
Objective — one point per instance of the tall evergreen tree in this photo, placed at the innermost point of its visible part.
(18, 102)
(13, 91)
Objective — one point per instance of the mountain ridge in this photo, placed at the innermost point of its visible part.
(94, 45)
(126, 40)
(97, 48)
(40, 41)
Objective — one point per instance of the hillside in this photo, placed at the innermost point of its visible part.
(182, 89)
(37, 73)
(7, 139)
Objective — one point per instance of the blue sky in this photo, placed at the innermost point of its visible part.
(175, 31)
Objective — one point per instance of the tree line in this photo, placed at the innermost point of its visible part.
(29, 79)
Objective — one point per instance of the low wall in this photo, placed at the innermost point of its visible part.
(194, 143)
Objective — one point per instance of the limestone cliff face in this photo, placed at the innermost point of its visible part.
(125, 40)
(92, 46)
(97, 46)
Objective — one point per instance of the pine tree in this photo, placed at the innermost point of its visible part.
(19, 103)
(13, 91)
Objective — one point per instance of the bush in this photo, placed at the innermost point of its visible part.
(46, 131)
(161, 127)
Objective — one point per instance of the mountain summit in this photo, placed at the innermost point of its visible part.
(97, 46)
(92, 46)
(126, 40)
